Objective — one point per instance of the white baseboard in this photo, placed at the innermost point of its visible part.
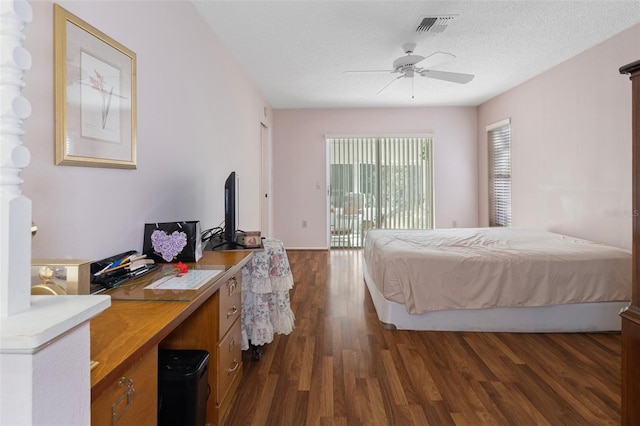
(307, 248)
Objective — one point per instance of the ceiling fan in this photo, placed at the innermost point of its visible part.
(407, 67)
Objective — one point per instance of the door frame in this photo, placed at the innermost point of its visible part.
(266, 168)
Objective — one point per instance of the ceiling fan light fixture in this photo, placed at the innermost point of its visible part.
(407, 61)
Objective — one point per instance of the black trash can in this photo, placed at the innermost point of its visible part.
(183, 387)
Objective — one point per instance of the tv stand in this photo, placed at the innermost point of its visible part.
(218, 244)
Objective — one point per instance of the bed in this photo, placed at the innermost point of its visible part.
(495, 279)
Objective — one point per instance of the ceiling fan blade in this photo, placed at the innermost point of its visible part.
(434, 59)
(454, 77)
(362, 71)
(392, 81)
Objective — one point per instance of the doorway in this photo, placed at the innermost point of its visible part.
(265, 181)
(378, 183)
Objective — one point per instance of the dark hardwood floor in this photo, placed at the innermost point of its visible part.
(339, 367)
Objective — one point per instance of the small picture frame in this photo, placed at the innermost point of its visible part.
(95, 96)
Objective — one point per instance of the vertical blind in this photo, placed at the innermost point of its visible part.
(379, 183)
(499, 139)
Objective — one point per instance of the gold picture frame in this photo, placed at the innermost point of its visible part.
(95, 96)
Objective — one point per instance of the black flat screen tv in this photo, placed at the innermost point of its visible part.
(230, 208)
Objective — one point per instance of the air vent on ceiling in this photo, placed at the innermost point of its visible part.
(434, 23)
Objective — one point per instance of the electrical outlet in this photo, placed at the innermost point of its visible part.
(304, 223)
(454, 224)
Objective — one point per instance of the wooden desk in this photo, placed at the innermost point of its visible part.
(125, 339)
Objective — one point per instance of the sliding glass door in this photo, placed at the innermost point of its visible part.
(383, 182)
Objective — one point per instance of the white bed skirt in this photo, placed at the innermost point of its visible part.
(570, 318)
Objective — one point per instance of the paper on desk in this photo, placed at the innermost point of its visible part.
(192, 280)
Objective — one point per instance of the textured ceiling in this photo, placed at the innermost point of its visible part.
(296, 52)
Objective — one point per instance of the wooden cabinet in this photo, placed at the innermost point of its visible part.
(230, 295)
(126, 337)
(215, 327)
(133, 398)
(229, 362)
(228, 352)
(631, 317)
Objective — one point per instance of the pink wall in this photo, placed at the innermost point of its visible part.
(571, 145)
(198, 119)
(300, 181)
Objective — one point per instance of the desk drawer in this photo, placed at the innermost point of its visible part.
(132, 399)
(230, 303)
(229, 360)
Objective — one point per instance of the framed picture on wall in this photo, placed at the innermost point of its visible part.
(95, 96)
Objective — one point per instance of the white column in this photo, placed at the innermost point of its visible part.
(42, 388)
(45, 375)
(15, 209)
(44, 340)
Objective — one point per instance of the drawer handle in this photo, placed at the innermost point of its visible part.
(233, 285)
(232, 344)
(236, 364)
(231, 312)
(128, 394)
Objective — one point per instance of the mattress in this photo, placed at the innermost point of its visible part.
(476, 268)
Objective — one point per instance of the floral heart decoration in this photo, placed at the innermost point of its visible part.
(168, 245)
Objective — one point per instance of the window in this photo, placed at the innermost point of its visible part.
(499, 140)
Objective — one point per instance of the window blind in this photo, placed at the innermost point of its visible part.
(379, 182)
(500, 175)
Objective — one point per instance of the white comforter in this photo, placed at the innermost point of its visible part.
(472, 268)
